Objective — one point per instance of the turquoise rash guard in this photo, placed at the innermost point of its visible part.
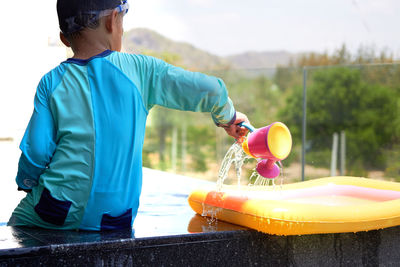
(82, 150)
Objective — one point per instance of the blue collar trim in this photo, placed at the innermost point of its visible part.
(83, 62)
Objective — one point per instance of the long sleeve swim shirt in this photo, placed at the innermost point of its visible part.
(82, 150)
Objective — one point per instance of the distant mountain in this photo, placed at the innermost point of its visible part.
(256, 60)
(142, 40)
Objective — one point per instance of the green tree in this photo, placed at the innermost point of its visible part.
(339, 99)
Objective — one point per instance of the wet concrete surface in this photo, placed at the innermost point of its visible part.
(168, 233)
(205, 244)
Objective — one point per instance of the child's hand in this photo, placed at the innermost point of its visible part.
(235, 130)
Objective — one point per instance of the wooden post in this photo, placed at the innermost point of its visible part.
(334, 154)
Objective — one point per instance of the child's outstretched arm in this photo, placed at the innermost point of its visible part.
(174, 87)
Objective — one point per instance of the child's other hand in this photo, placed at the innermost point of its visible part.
(235, 130)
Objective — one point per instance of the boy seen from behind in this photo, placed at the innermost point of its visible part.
(81, 160)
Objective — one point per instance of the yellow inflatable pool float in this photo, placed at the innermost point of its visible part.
(325, 205)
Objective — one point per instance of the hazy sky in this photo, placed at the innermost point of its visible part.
(225, 27)
(219, 26)
(232, 26)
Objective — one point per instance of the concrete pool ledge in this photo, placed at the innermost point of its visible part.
(221, 244)
(31, 247)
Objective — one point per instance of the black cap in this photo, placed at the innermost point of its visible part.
(74, 15)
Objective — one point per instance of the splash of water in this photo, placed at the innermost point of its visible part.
(236, 155)
(257, 180)
(282, 174)
(240, 157)
(211, 213)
